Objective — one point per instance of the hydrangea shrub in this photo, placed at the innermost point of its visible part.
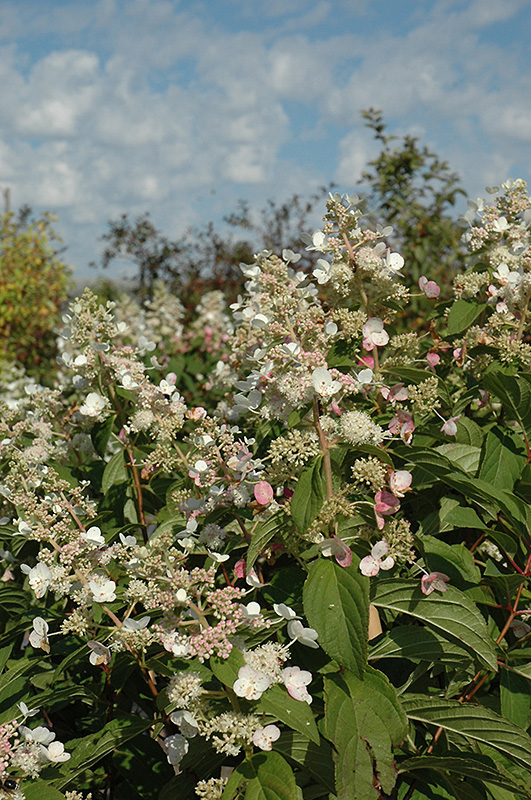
(284, 554)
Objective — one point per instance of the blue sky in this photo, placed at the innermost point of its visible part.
(181, 108)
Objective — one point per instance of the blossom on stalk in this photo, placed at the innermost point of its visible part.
(99, 653)
(40, 577)
(430, 288)
(378, 559)
(264, 737)
(263, 493)
(435, 581)
(251, 683)
(296, 680)
(385, 504)
(55, 752)
(374, 334)
(449, 427)
(38, 637)
(299, 633)
(176, 748)
(102, 590)
(337, 548)
(93, 536)
(93, 405)
(400, 482)
(323, 383)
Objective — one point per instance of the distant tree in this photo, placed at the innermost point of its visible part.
(414, 191)
(33, 286)
(207, 258)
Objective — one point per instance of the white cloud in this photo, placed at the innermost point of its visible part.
(148, 104)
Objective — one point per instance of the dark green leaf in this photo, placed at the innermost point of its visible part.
(462, 314)
(336, 604)
(503, 459)
(418, 644)
(363, 720)
(451, 614)
(115, 472)
(478, 767)
(308, 496)
(101, 433)
(268, 776)
(473, 722)
(315, 758)
(515, 697)
(263, 534)
(296, 714)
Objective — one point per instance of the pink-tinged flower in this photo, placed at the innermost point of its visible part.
(239, 569)
(367, 360)
(450, 427)
(394, 394)
(251, 683)
(433, 359)
(429, 288)
(378, 559)
(385, 504)
(484, 397)
(457, 353)
(402, 423)
(520, 628)
(264, 737)
(296, 680)
(337, 548)
(374, 334)
(399, 482)
(263, 493)
(435, 581)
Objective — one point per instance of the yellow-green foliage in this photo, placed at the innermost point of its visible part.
(33, 285)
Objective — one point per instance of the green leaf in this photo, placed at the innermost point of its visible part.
(468, 431)
(455, 560)
(451, 515)
(515, 393)
(101, 433)
(180, 786)
(308, 496)
(226, 669)
(451, 614)
(40, 790)
(418, 644)
(269, 777)
(363, 720)
(473, 722)
(462, 314)
(263, 534)
(296, 714)
(478, 767)
(114, 473)
(315, 758)
(515, 697)
(503, 459)
(464, 456)
(336, 604)
(91, 749)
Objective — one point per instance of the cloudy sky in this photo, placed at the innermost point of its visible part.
(181, 108)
